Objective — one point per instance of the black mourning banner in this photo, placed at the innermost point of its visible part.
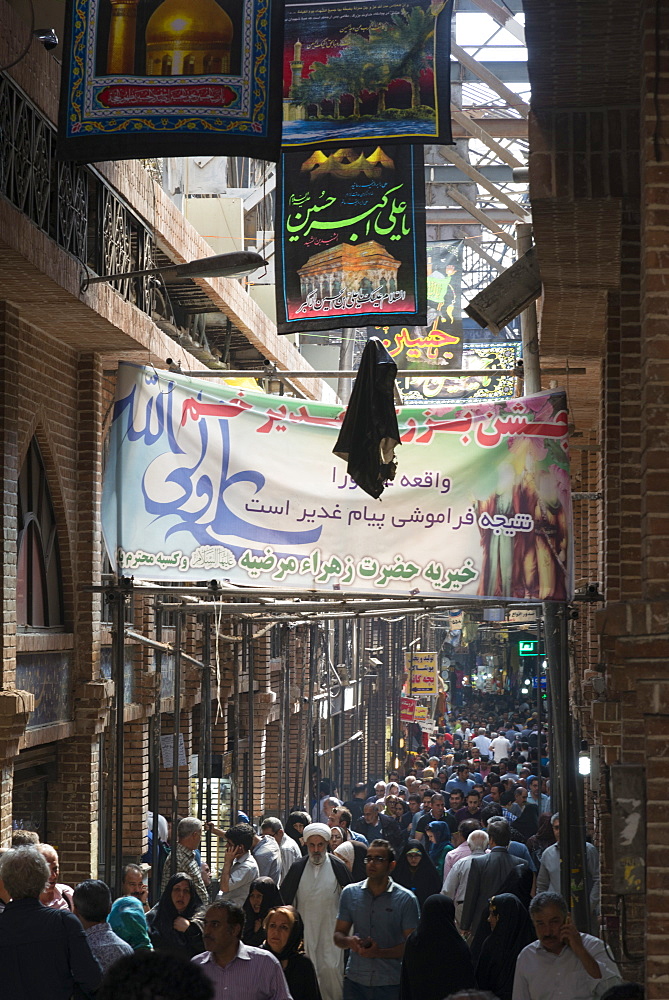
(144, 78)
(350, 237)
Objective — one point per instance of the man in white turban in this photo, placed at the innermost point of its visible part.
(313, 885)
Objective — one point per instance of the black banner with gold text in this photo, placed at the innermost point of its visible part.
(350, 237)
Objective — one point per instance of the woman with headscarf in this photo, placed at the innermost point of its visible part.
(543, 838)
(127, 919)
(346, 852)
(414, 870)
(284, 932)
(439, 835)
(336, 837)
(437, 961)
(511, 931)
(170, 922)
(294, 827)
(263, 896)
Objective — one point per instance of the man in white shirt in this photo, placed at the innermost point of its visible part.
(290, 852)
(499, 747)
(482, 743)
(561, 964)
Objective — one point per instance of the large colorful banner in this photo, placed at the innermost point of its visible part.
(208, 481)
(350, 237)
(363, 70)
(439, 344)
(145, 78)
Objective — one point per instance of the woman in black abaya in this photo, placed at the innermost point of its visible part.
(414, 870)
(511, 931)
(436, 962)
(263, 896)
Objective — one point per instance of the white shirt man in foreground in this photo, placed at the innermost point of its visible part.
(562, 964)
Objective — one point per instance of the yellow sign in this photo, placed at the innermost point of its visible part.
(422, 670)
(421, 713)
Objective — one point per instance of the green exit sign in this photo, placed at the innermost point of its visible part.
(528, 647)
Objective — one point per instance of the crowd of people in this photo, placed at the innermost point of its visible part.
(439, 881)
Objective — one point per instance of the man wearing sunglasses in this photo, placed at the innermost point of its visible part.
(381, 915)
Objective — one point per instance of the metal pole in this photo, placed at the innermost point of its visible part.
(251, 660)
(175, 741)
(154, 760)
(286, 683)
(281, 763)
(118, 668)
(277, 373)
(309, 763)
(528, 322)
(572, 835)
(236, 726)
(204, 757)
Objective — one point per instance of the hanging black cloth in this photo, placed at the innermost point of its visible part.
(369, 433)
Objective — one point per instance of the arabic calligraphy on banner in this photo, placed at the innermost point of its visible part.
(145, 79)
(351, 237)
(363, 70)
(207, 480)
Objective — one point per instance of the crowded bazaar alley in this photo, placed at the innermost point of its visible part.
(334, 422)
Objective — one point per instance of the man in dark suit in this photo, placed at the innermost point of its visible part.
(489, 875)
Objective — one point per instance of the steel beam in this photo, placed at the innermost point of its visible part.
(476, 130)
(479, 178)
(504, 18)
(482, 217)
(484, 73)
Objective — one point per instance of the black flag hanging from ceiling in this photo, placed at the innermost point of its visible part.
(144, 78)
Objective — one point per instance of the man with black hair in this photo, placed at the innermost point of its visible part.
(382, 915)
(239, 865)
(234, 968)
(91, 902)
(437, 812)
(356, 804)
(149, 975)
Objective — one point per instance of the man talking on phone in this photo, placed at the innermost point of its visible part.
(239, 865)
(562, 964)
(382, 915)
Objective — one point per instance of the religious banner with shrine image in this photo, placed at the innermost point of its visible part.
(363, 70)
(145, 78)
(350, 237)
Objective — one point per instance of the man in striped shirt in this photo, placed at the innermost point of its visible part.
(237, 970)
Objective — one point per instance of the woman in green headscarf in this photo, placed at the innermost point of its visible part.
(128, 921)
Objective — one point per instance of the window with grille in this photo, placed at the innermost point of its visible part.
(39, 584)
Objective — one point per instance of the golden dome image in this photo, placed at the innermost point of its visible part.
(188, 37)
